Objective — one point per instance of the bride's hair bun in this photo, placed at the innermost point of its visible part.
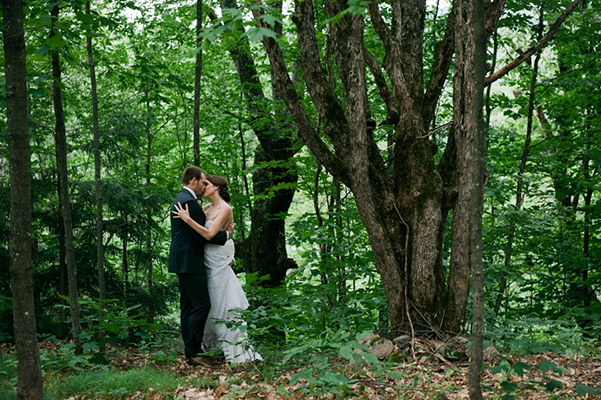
(221, 183)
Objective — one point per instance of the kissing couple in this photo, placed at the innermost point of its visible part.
(201, 254)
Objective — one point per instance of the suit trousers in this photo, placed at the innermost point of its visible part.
(195, 305)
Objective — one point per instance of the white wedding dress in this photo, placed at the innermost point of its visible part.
(227, 299)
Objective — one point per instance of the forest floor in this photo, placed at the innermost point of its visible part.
(538, 376)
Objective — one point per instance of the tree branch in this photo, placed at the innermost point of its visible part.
(443, 57)
(392, 106)
(305, 129)
(492, 13)
(536, 47)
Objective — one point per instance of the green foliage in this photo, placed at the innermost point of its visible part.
(145, 63)
(321, 372)
(66, 357)
(8, 376)
(122, 325)
(115, 384)
(534, 335)
(512, 389)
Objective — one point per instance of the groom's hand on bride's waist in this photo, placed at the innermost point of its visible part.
(230, 228)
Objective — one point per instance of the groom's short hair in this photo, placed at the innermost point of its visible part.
(191, 172)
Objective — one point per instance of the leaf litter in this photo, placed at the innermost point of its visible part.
(532, 377)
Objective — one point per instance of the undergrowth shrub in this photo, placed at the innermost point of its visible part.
(536, 335)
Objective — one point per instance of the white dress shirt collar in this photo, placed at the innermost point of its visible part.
(191, 191)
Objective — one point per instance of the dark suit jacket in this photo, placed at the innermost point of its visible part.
(186, 254)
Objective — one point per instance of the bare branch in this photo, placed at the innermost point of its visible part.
(536, 47)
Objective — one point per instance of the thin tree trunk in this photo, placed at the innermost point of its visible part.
(468, 104)
(519, 196)
(97, 177)
(489, 87)
(589, 296)
(197, 76)
(245, 181)
(124, 259)
(148, 212)
(29, 371)
(61, 145)
(62, 253)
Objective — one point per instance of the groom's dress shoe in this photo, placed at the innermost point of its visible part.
(201, 361)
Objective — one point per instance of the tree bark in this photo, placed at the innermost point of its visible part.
(519, 196)
(29, 371)
(61, 151)
(404, 208)
(197, 76)
(264, 251)
(97, 171)
(149, 223)
(468, 129)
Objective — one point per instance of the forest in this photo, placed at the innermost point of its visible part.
(415, 187)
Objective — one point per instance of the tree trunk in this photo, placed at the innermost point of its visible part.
(266, 244)
(149, 224)
(124, 258)
(29, 371)
(61, 146)
(468, 120)
(264, 251)
(62, 253)
(404, 208)
(197, 76)
(97, 177)
(519, 196)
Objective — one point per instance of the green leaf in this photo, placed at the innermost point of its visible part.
(55, 42)
(401, 374)
(257, 34)
(346, 352)
(270, 19)
(37, 93)
(371, 358)
(499, 368)
(549, 365)
(85, 18)
(296, 377)
(553, 384)
(520, 367)
(230, 13)
(509, 386)
(583, 390)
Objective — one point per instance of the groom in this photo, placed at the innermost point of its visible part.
(186, 259)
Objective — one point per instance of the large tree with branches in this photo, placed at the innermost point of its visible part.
(404, 205)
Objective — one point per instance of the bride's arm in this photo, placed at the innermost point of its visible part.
(222, 218)
(184, 214)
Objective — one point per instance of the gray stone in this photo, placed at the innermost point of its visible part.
(381, 347)
(368, 338)
(402, 341)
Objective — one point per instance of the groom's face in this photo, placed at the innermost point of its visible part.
(199, 188)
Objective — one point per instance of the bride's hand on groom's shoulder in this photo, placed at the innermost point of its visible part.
(181, 212)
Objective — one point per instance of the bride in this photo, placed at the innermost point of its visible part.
(225, 291)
